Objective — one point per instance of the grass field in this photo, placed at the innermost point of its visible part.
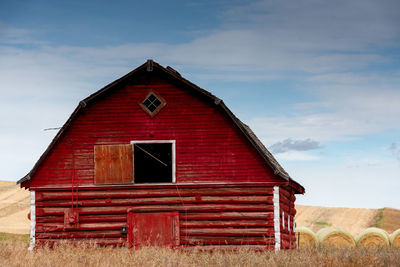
(13, 252)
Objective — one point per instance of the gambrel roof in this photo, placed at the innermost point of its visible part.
(173, 75)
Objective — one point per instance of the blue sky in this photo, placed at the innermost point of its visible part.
(319, 83)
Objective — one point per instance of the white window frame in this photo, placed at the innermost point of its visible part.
(173, 146)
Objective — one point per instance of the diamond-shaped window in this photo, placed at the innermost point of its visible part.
(152, 103)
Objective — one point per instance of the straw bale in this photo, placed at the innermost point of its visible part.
(305, 237)
(335, 237)
(395, 239)
(373, 238)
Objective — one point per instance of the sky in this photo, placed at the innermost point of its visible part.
(317, 81)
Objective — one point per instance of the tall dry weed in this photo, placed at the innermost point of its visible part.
(15, 253)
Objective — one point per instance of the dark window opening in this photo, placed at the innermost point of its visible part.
(152, 103)
(153, 162)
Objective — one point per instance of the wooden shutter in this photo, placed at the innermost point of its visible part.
(113, 164)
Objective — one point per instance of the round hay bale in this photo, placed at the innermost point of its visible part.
(305, 237)
(395, 239)
(373, 238)
(335, 237)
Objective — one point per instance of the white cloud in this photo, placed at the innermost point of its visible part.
(334, 25)
(293, 145)
(345, 106)
(319, 127)
(296, 156)
(13, 35)
(251, 50)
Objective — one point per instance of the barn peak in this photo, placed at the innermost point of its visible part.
(153, 68)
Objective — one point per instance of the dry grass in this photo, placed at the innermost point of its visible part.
(390, 219)
(13, 252)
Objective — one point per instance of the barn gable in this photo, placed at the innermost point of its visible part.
(151, 79)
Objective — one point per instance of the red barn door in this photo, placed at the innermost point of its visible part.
(153, 229)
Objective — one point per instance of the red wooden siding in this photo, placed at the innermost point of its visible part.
(208, 147)
(286, 201)
(209, 215)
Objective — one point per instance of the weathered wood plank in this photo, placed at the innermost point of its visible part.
(80, 234)
(159, 201)
(210, 248)
(145, 192)
(97, 241)
(226, 240)
(226, 215)
(226, 224)
(85, 218)
(51, 211)
(56, 227)
(267, 232)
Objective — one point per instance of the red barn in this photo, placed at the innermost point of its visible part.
(152, 159)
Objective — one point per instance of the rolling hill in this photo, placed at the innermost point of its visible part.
(14, 207)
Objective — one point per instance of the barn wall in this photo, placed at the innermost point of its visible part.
(287, 206)
(210, 215)
(209, 147)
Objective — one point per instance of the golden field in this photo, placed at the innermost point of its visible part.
(13, 252)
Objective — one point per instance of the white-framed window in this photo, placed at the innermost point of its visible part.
(154, 161)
